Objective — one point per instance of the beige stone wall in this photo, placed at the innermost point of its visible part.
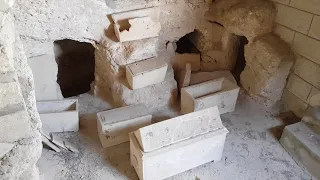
(298, 23)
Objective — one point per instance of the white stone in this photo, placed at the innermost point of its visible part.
(45, 70)
(146, 72)
(178, 157)
(302, 143)
(59, 116)
(14, 126)
(6, 4)
(10, 95)
(180, 61)
(115, 125)
(178, 129)
(5, 148)
(219, 92)
(137, 28)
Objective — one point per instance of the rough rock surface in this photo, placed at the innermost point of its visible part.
(219, 48)
(155, 97)
(27, 150)
(269, 60)
(249, 18)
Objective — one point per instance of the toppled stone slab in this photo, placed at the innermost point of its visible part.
(178, 129)
(303, 145)
(183, 76)
(268, 63)
(137, 28)
(146, 72)
(180, 61)
(201, 77)
(177, 157)
(51, 145)
(219, 92)
(115, 125)
(249, 18)
(219, 48)
(5, 148)
(267, 53)
(59, 116)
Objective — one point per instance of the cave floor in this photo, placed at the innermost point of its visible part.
(252, 150)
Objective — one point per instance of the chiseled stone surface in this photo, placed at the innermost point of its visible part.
(178, 129)
(249, 18)
(303, 145)
(180, 156)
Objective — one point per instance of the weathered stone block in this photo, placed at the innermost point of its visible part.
(115, 125)
(249, 18)
(179, 157)
(267, 53)
(180, 61)
(268, 63)
(10, 95)
(14, 126)
(178, 129)
(219, 92)
(146, 72)
(123, 53)
(59, 116)
(137, 28)
(303, 145)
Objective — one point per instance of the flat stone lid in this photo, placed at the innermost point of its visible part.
(178, 129)
(146, 66)
(122, 114)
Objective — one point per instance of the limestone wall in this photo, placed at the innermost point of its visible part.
(19, 120)
(298, 23)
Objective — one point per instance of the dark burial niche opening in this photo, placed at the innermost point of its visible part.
(241, 62)
(75, 66)
(184, 45)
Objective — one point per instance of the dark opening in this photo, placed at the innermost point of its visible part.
(75, 66)
(184, 45)
(241, 62)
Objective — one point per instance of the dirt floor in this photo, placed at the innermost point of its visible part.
(252, 150)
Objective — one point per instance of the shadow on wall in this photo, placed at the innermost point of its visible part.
(76, 66)
(241, 62)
